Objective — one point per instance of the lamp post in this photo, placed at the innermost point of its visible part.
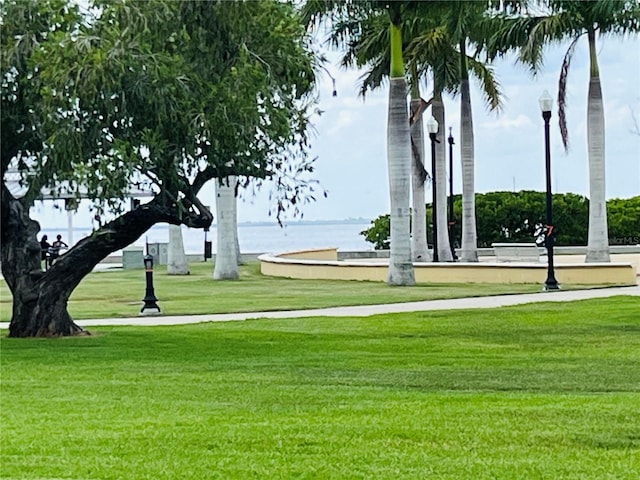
(452, 221)
(150, 306)
(432, 128)
(546, 103)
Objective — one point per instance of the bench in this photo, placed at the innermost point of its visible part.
(516, 252)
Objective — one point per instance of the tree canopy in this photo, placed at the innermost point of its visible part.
(158, 94)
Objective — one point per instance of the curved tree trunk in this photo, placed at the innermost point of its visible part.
(419, 249)
(444, 247)
(469, 250)
(399, 164)
(39, 306)
(226, 266)
(40, 297)
(598, 241)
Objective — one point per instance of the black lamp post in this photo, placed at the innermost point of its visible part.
(546, 103)
(150, 306)
(452, 221)
(432, 128)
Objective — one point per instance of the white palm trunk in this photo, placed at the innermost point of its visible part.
(419, 249)
(399, 164)
(176, 259)
(226, 264)
(469, 250)
(444, 248)
(598, 239)
(234, 181)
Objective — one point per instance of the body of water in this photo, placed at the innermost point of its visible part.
(256, 237)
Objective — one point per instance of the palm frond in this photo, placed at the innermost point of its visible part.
(491, 91)
(562, 92)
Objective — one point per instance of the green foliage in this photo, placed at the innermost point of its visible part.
(518, 392)
(512, 217)
(162, 93)
(623, 217)
(379, 233)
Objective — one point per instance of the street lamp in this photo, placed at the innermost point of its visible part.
(546, 103)
(150, 306)
(452, 221)
(432, 128)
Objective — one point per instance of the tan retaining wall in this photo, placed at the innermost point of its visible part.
(322, 264)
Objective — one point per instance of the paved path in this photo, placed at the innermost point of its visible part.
(368, 310)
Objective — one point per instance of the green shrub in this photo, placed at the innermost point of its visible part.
(513, 216)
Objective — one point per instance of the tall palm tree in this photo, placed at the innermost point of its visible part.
(365, 49)
(226, 264)
(419, 248)
(463, 19)
(349, 15)
(398, 158)
(443, 48)
(368, 46)
(571, 20)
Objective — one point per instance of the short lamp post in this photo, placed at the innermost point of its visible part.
(432, 128)
(452, 220)
(546, 103)
(150, 306)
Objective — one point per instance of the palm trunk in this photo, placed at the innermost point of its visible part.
(444, 247)
(598, 241)
(469, 250)
(399, 164)
(234, 180)
(419, 248)
(176, 259)
(226, 265)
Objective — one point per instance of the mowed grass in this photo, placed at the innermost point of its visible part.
(118, 293)
(544, 391)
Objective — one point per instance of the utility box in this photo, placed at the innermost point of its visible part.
(160, 252)
(132, 257)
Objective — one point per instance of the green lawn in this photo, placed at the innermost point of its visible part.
(118, 293)
(550, 391)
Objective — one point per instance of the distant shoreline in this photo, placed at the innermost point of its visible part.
(262, 223)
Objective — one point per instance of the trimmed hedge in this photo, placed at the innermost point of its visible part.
(513, 216)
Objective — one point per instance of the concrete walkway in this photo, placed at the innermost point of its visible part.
(368, 310)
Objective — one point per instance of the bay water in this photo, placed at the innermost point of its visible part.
(255, 237)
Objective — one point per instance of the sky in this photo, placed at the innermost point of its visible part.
(350, 138)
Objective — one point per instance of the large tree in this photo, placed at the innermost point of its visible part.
(157, 94)
(571, 20)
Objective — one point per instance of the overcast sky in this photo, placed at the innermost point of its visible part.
(350, 142)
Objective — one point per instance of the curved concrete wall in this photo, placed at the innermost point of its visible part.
(324, 264)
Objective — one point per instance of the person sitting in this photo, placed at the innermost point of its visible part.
(44, 248)
(55, 249)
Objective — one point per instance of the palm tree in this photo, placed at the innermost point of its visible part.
(419, 248)
(399, 159)
(349, 15)
(442, 47)
(226, 264)
(368, 46)
(465, 18)
(176, 259)
(572, 20)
